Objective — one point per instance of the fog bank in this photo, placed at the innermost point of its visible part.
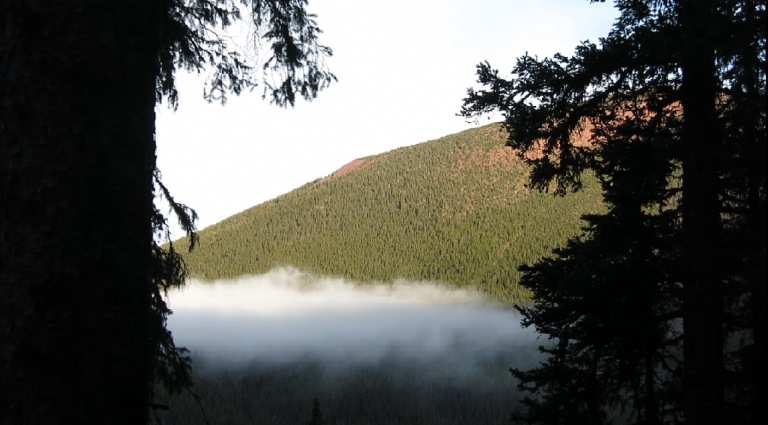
(286, 316)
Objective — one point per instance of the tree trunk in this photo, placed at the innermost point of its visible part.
(76, 159)
(702, 296)
(754, 136)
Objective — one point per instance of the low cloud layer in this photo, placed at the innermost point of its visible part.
(286, 316)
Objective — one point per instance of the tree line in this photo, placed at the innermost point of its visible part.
(393, 391)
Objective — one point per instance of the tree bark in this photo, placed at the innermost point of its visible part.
(755, 221)
(702, 292)
(77, 102)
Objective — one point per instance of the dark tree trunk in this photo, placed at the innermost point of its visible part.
(755, 222)
(76, 160)
(702, 297)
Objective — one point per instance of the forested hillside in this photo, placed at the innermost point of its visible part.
(454, 210)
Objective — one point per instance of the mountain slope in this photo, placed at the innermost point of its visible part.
(454, 210)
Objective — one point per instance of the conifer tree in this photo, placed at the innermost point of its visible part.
(82, 318)
(608, 300)
(317, 414)
(668, 146)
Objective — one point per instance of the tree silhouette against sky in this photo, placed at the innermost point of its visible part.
(82, 318)
(673, 103)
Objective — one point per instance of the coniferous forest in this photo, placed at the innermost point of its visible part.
(655, 312)
(454, 210)
(620, 208)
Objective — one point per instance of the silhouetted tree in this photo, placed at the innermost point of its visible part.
(608, 301)
(317, 414)
(82, 319)
(659, 96)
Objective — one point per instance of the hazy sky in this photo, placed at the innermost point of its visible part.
(403, 68)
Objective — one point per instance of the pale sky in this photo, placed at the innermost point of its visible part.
(403, 68)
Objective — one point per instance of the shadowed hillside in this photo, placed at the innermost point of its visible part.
(454, 210)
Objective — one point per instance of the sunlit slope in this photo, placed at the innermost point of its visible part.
(454, 210)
